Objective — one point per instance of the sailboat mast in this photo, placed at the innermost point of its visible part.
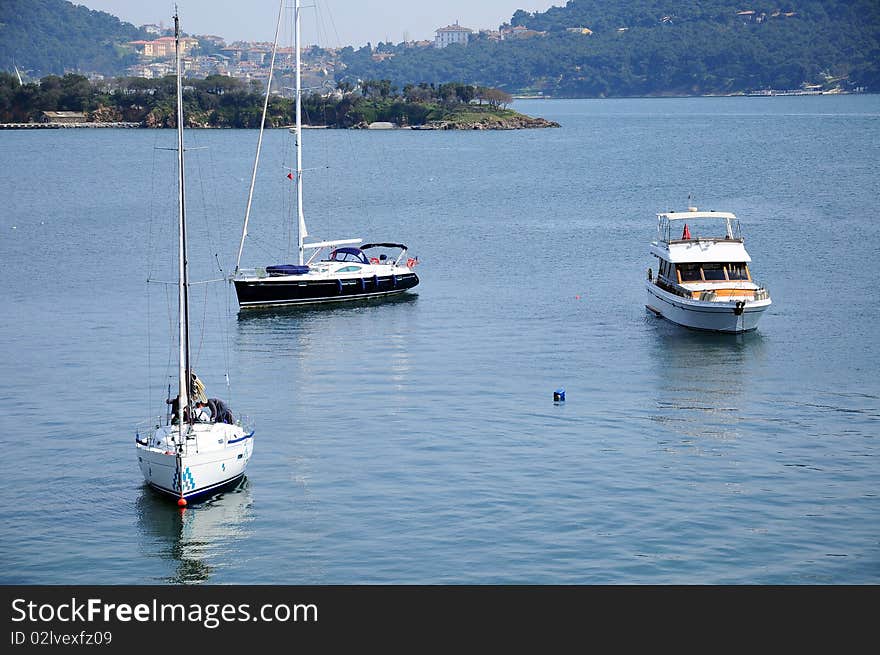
(183, 282)
(301, 228)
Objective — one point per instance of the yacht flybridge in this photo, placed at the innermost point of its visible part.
(703, 280)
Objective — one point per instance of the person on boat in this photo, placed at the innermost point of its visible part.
(220, 412)
(175, 414)
(201, 413)
(196, 395)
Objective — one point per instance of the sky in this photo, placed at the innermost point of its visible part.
(328, 23)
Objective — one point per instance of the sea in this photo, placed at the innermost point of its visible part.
(417, 441)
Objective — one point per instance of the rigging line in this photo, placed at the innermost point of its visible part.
(260, 139)
(151, 209)
(332, 23)
(211, 230)
(267, 248)
(306, 170)
(218, 279)
(170, 362)
(202, 328)
(224, 318)
(149, 353)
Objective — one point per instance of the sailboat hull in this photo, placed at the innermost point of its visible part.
(267, 292)
(215, 457)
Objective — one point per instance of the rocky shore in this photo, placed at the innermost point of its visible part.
(483, 123)
(491, 123)
(61, 126)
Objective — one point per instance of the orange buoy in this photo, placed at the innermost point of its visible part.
(181, 502)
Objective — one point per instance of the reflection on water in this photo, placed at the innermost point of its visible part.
(325, 341)
(701, 378)
(191, 538)
(317, 312)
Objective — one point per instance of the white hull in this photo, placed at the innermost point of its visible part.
(714, 316)
(215, 455)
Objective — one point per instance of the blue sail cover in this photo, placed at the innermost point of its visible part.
(287, 269)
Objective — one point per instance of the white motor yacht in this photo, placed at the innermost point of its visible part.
(703, 280)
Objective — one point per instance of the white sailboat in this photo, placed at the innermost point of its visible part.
(350, 271)
(186, 457)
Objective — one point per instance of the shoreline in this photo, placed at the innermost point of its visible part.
(62, 126)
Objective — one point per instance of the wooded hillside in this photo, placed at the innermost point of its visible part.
(654, 47)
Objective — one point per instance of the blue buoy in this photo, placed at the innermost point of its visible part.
(559, 396)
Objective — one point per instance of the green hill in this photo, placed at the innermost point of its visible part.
(45, 37)
(654, 47)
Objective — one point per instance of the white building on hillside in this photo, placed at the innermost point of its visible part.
(452, 34)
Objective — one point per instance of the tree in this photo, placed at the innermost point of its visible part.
(497, 97)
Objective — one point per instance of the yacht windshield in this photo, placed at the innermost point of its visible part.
(713, 271)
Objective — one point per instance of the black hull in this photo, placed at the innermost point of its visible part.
(268, 292)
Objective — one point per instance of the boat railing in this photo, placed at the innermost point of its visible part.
(732, 229)
(245, 422)
(259, 271)
(671, 287)
(144, 429)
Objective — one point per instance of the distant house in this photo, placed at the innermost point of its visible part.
(163, 46)
(452, 34)
(579, 30)
(520, 32)
(218, 41)
(232, 53)
(63, 117)
(256, 55)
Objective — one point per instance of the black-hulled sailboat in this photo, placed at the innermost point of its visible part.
(335, 271)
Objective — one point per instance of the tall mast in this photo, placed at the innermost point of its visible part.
(301, 231)
(183, 282)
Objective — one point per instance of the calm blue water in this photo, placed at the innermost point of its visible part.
(417, 441)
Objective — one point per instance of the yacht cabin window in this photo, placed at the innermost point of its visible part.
(737, 271)
(712, 271)
(690, 272)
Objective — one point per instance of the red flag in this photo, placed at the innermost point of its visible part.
(687, 233)
(290, 176)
